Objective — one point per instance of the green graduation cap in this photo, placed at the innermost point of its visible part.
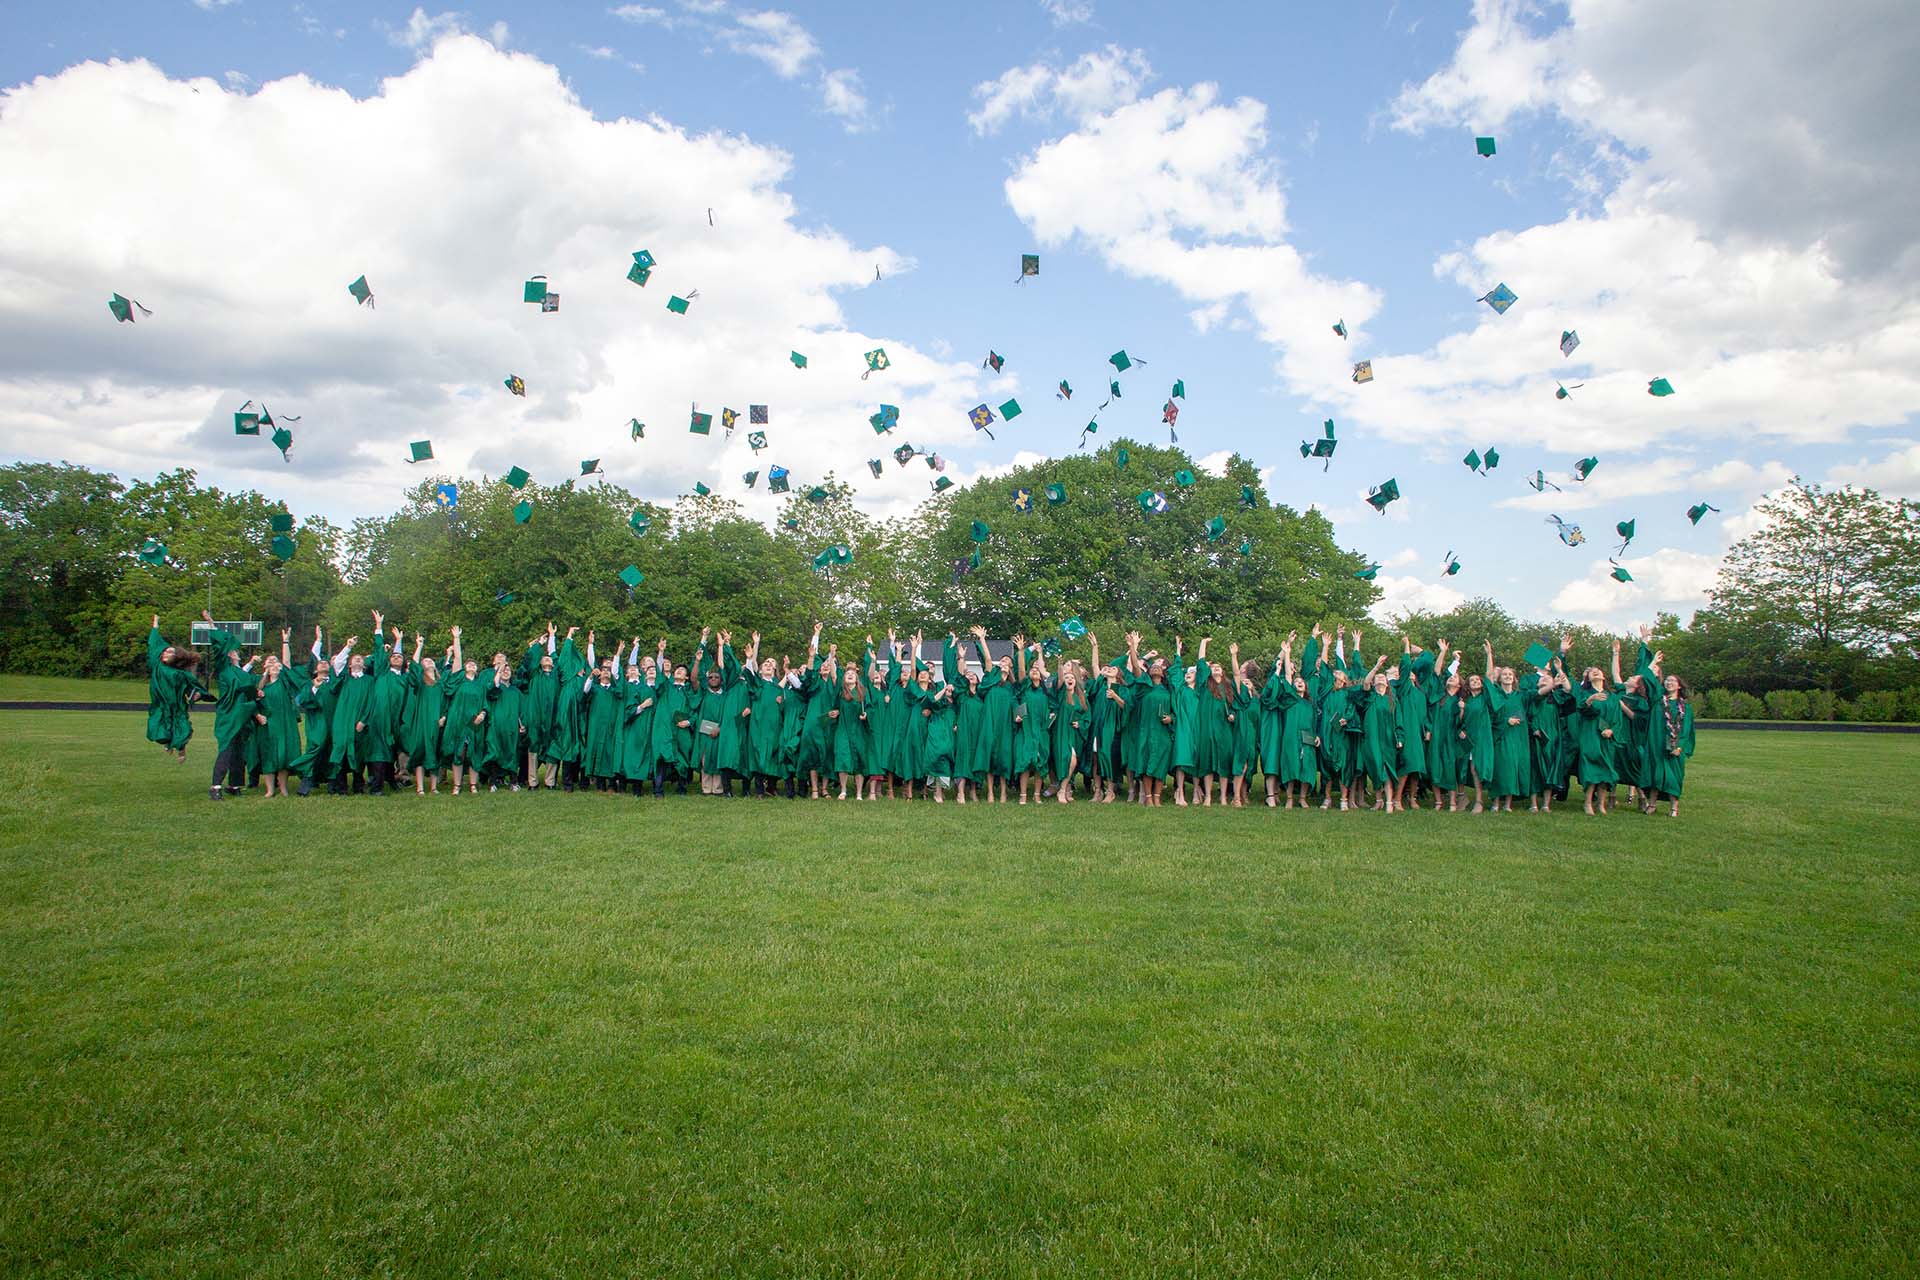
(1113, 390)
(1151, 501)
(516, 384)
(1119, 361)
(876, 361)
(283, 546)
(632, 577)
(361, 293)
(503, 597)
(1451, 568)
(1472, 459)
(1029, 266)
(1625, 529)
(777, 480)
(799, 361)
(1561, 391)
(1619, 574)
(523, 512)
(1492, 459)
(1179, 391)
(1698, 511)
(750, 477)
(1246, 546)
(1340, 327)
(517, 477)
(1584, 468)
(942, 484)
(1249, 497)
(535, 291)
(994, 361)
(640, 522)
(1056, 494)
(152, 552)
(283, 441)
(1484, 146)
(817, 494)
(636, 429)
(1073, 628)
(980, 532)
(1120, 457)
(643, 258)
(1010, 410)
(876, 466)
(700, 424)
(1367, 574)
(123, 308)
(1659, 387)
(700, 489)
(1216, 528)
(1383, 494)
(1184, 478)
(678, 305)
(246, 424)
(280, 522)
(639, 274)
(420, 451)
(588, 466)
(1538, 655)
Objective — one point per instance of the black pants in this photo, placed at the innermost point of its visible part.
(231, 764)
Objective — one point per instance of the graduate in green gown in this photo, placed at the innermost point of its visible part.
(731, 749)
(1183, 687)
(1340, 727)
(1293, 757)
(1546, 703)
(233, 712)
(673, 712)
(1153, 750)
(317, 691)
(971, 748)
(886, 715)
(706, 709)
(634, 738)
(913, 738)
(1600, 724)
(539, 680)
(766, 719)
(1032, 720)
(1477, 718)
(276, 729)
(1243, 714)
(1379, 735)
(849, 716)
(1673, 736)
(1507, 719)
(463, 736)
(1107, 701)
(793, 714)
(568, 740)
(1072, 714)
(940, 720)
(603, 704)
(819, 687)
(506, 737)
(999, 689)
(423, 723)
(1212, 727)
(1411, 704)
(386, 707)
(1446, 732)
(1637, 695)
(172, 689)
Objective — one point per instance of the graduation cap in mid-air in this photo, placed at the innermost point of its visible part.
(1659, 387)
(1363, 372)
(776, 480)
(1472, 460)
(280, 522)
(152, 552)
(516, 384)
(904, 454)
(756, 440)
(833, 557)
(1382, 494)
(1618, 573)
(727, 418)
(1179, 391)
(420, 451)
(631, 578)
(283, 546)
(1246, 546)
(982, 418)
(877, 466)
(522, 512)
(1569, 339)
(885, 420)
(1625, 529)
(750, 477)
(994, 361)
(1121, 457)
(1216, 528)
(1340, 327)
(1249, 497)
(1029, 266)
(799, 361)
(535, 290)
(1009, 411)
(643, 258)
(1151, 501)
(700, 489)
(1450, 566)
(1490, 459)
(1563, 392)
(1500, 298)
(1584, 468)
(503, 597)
(979, 531)
(941, 484)
(1323, 447)
(517, 477)
(447, 495)
(283, 441)
(700, 424)
(636, 429)
(1569, 532)
(1484, 146)
(678, 305)
(1073, 628)
(1056, 494)
(1367, 574)
(550, 303)
(1538, 655)
(818, 494)
(757, 415)
(246, 423)
(590, 466)
(876, 361)
(639, 274)
(362, 294)
(639, 522)
(1184, 478)
(1120, 361)
(1170, 414)
(1064, 392)
(1023, 500)
(123, 308)
(1698, 511)
(1540, 484)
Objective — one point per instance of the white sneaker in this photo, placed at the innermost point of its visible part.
(493, 786)
(514, 787)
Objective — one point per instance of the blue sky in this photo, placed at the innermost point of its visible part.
(1210, 194)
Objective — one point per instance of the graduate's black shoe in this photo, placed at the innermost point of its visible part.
(306, 787)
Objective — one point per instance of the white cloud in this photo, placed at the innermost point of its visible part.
(1667, 580)
(466, 122)
(775, 38)
(1094, 83)
(1066, 13)
(238, 81)
(210, 5)
(1409, 594)
(1896, 474)
(643, 14)
(841, 96)
(422, 32)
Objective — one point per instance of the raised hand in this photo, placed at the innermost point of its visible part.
(456, 633)
(286, 633)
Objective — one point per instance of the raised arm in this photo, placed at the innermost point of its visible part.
(1616, 663)
(1489, 648)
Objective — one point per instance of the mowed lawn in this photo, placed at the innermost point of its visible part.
(544, 1035)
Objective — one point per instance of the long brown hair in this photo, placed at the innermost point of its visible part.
(183, 659)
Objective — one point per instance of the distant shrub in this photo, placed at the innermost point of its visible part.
(1909, 711)
(1787, 704)
(1716, 704)
(1876, 704)
(1744, 706)
(1821, 704)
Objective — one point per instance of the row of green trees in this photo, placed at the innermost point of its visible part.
(1824, 599)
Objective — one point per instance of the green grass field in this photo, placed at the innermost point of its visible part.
(72, 689)
(517, 1035)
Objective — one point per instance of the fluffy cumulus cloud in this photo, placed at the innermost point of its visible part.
(1095, 82)
(770, 36)
(423, 186)
(1667, 579)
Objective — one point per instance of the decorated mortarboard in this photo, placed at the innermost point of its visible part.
(420, 451)
(123, 308)
(1113, 393)
(904, 454)
(876, 361)
(515, 384)
(1367, 574)
(1484, 146)
(1121, 457)
(280, 522)
(447, 495)
(885, 420)
(1382, 494)
(1073, 628)
(965, 565)
(1659, 387)
(1023, 500)
(636, 429)
(832, 556)
(1249, 497)
(1323, 447)
(517, 477)
(1563, 392)
(678, 305)
(1363, 372)
(152, 552)
(1569, 339)
(639, 274)
(1179, 391)
(979, 531)
(1151, 501)
(982, 418)
(631, 577)
(757, 415)
(1698, 511)
(283, 546)
(1450, 567)
(283, 441)
(878, 466)
(1009, 411)
(994, 361)
(1170, 414)
(1184, 478)
(750, 477)
(1056, 494)
(1619, 574)
(245, 422)
(1063, 392)
(550, 303)
(756, 440)
(1216, 528)
(936, 463)
(1625, 531)
(522, 512)
(589, 466)
(776, 480)
(1120, 361)
(1540, 484)
(1538, 655)
(799, 361)
(700, 489)
(1499, 299)
(789, 523)
(1340, 327)
(1029, 266)
(639, 522)
(1584, 468)
(817, 494)
(699, 424)
(727, 418)
(643, 258)
(1569, 532)
(362, 294)
(535, 290)
(1050, 647)
(941, 484)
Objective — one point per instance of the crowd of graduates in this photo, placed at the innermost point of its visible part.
(1322, 723)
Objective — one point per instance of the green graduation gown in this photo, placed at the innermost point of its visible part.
(1673, 743)
(462, 741)
(635, 735)
(1511, 774)
(170, 695)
